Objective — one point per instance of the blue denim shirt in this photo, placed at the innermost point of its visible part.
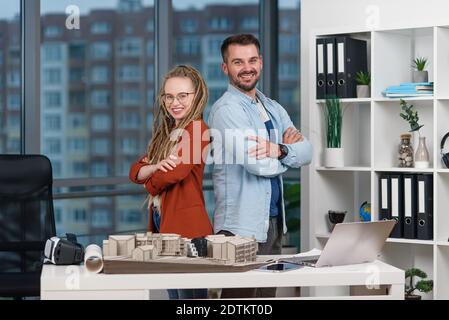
(241, 184)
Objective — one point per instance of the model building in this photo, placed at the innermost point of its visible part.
(151, 246)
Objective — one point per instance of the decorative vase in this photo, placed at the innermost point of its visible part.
(334, 157)
(363, 91)
(422, 155)
(420, 76)
(405, 151)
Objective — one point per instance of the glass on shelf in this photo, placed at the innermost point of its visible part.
(406, 151)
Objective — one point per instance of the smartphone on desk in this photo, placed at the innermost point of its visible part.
(280, 267)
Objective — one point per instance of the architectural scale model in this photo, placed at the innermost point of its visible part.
(153, 246)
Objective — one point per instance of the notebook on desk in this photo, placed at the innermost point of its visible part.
(349, 243)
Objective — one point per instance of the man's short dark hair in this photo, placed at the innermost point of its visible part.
(239, 39)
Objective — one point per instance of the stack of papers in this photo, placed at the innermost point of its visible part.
(409, 89)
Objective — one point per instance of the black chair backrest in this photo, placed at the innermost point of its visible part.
(26, 212)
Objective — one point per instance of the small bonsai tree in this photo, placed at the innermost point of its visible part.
(333, 115)
(411, 116)
(419, 63)
(424, 286)
(363, 78)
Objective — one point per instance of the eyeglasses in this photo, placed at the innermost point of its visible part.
(182, 97)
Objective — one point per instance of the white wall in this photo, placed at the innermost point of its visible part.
(354, 15)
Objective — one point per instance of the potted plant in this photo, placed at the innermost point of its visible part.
(419, 74)
(363, 80)
(333, 116)
(424, 286)
(411, 116)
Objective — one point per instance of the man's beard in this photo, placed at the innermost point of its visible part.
(239, 84)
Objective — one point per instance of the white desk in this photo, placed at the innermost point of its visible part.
(73, 282)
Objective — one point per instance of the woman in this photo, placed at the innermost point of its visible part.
(172, 170)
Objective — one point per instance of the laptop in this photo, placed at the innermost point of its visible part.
(349, 243)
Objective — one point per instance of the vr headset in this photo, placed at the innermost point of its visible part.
(63, 252)
(444, 156)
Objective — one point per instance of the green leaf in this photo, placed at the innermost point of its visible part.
(425, 286)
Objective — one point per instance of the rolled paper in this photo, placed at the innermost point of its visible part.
(93, 259)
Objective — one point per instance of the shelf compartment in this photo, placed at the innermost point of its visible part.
(390, 126)
(442, 119)
(395, 50)
(441, 207)
(340, 191)
(442, 48)
(356, 132)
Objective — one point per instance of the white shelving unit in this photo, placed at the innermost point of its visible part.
(371, 135)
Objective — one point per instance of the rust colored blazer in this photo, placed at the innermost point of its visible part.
(181, 190)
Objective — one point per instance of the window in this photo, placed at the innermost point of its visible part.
(77, 121)
(13, 121)
(52, 99)
(53, 122)
(52, 76)
(52, 52)
(250, 23)
(150, 48)
(77, 99)
(79, 169)
(77, 145)
(150, 25)
(220, 24)
(52, 146)
(129, 146)
(288, 44)
(289, 93)
(129, 73)
(77, 51)
(130, 47)
(14, 79)
(52, 31)
(129, 97)
(78, 215)
(100, 147)
(189, 25)
(129, 120)
(100, 50)
(214, 45)
(101, 218)
(76, 74)
(150, 73)
(214, 72)
(150, 97)
(100, 74)
(100, 169)
(288, 71)
(130, 216)
(100, 98)
(100, 27)
(13, 101)
(188, 45)
(101, 122)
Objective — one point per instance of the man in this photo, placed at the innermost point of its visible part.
(248, 189)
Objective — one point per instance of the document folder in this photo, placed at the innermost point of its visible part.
(331, 68)
(425, 206)
(384, 197)
(320, 68)
(397, 207)
(410, 210)
(352, 57)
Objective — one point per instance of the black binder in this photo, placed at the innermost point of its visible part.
(384, 197)
(331, 68)
(397, 207)
(425, 206)
(352, 57)
(410, 210)
(321, 68)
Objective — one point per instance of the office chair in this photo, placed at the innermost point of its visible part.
(26, 222)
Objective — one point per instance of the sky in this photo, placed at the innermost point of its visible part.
(11, 7)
